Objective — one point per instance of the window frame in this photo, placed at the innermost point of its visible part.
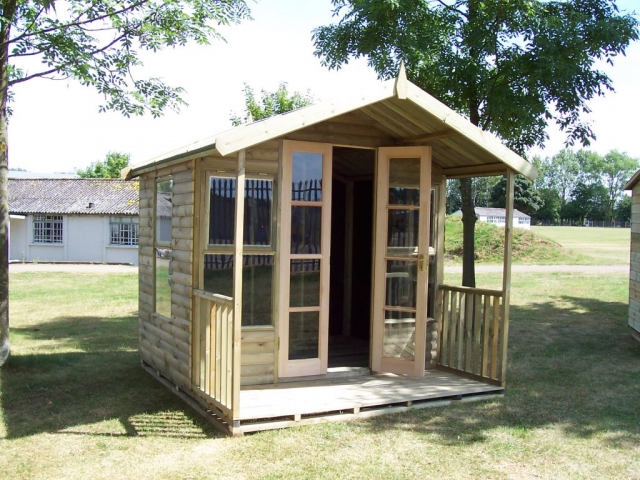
(132, 221)
(44, 218)
(247, 250)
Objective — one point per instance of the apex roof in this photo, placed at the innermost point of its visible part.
(87, 196)
(400, 111)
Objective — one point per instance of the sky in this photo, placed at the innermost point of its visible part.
(56, 126)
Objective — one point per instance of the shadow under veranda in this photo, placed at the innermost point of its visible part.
(79, 391)
(572, 365)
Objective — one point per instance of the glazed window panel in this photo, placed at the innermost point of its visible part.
(163, 252)
(164, 208)
(258, 211)
(257, 284)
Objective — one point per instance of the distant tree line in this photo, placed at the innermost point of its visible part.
(571, 188)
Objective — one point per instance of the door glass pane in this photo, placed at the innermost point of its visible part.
(303, 335)
(402, 233)
(304, 283)
(401, 281)
(404, 181)
(306, 227)
(306, 177)
(399, 334)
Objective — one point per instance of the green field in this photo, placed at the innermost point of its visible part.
(602, 246)
(75, 403)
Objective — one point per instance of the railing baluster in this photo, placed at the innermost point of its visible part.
(485, 335)
(444, 329)
(494, 337)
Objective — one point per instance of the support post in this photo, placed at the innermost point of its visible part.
(237, 280)
(441, 213)
(506, 272)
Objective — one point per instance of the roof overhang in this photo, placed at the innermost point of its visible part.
(457, 134)
(630, 184)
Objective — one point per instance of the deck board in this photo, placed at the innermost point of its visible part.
(316, 397)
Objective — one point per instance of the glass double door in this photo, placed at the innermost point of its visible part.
(398, 342)
(304, 259)
(401, 260)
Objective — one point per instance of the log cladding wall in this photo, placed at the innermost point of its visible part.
(634, 274)
(258, 355)
(165, 343)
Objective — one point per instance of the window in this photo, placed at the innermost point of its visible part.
(523, 221)
(123, 231)
(163, 253)
(47, 229)
(258, 245)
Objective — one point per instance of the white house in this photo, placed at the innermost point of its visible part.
(497, 217)
(73, 220)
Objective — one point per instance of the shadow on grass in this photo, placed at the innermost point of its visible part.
(96, 389)
(572, 366)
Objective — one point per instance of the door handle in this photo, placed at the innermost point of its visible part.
(421, 263)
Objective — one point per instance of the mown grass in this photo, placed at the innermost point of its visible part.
(76, 404)
(601, 246)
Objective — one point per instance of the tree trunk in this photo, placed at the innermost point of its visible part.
(468, 233)
(8, 12)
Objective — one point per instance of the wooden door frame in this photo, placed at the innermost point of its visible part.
(379, 363)
(315, 366)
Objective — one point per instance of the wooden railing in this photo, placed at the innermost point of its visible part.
(472, 336)
(216, 356)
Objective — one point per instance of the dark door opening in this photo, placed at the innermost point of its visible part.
(351, 257)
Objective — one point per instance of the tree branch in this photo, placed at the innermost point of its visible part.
(75, 23)
(66, 64)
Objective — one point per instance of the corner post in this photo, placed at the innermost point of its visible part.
(506, 272)
(237, 281)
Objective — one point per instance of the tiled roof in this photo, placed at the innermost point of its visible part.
(89, 196)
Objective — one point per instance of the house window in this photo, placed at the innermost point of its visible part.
(124, 231)
(523, 221)
(47, 229)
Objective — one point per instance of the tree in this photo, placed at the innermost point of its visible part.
(549, 211)
(510, 67)
(109, 168)
(96, 43)
(271, 103)
(525, 197)
(623, 209)
(610, 172)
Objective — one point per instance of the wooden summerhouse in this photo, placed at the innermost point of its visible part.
(634, 271)
(303, 277)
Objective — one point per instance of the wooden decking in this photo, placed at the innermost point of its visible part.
(290, 404)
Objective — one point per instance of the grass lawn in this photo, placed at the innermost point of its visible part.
(602, 246)
(75, 404)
